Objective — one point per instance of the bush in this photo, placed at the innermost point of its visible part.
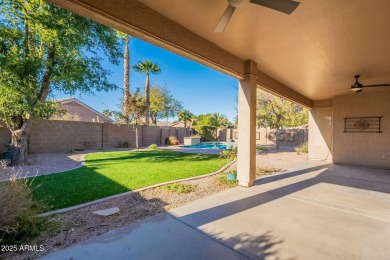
(172, 140)
(260, 171)
(229, 154)
(18, 221)
(179, 188)
(261, 148)
(227, 182)
(302, 148)
(152, 147)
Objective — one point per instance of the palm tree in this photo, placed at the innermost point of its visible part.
(185, 116)
(147, 67)
(126, 71)
(218, 121)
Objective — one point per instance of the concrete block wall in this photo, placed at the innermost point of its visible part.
(58, 136)
(5, 138)
(117, 135)
(266, 136)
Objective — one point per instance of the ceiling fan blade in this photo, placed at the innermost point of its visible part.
(284, 6)
(337, 90)
(224, 20)
(359, 91)
(377, 85)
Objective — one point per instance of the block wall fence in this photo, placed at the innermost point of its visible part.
(266, 136)
(49, 136)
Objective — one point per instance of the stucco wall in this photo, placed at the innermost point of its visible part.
(320, 133)
(80, 113)
(371, 149)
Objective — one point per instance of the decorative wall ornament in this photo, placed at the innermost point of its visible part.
(362, 124)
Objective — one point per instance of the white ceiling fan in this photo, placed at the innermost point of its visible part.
(284, 6)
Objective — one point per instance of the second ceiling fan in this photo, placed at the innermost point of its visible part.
(357, 87)
(284, 6)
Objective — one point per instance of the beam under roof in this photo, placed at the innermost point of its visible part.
(139, 20)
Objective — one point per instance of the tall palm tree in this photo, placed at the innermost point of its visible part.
(147, 67)
(185, 116)
(126, 71)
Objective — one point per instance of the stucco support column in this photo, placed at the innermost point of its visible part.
(246, 159)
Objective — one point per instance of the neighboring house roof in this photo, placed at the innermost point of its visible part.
(181, 124)
(161, 123)
(64, 101)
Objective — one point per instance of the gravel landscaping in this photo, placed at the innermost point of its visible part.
(48, 163)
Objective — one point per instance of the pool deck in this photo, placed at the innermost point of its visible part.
(185, 149)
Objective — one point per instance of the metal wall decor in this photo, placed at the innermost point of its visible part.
(362, 124)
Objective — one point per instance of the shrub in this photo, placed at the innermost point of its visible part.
(227, 182)
(229, 154)
(302, 148)
(261, 148)
(179, 188)
(260, 171)
(18, 221)
(152, 147)
(172, 140)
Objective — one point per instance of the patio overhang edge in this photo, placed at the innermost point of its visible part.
(163, 32)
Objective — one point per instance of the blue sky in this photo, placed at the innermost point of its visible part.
(201, 89)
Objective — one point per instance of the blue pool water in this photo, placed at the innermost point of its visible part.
(208, 145)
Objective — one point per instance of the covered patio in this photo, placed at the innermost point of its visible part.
(309, 57)
(320, 211)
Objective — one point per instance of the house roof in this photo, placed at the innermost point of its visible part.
(308, 56)
(65, 101)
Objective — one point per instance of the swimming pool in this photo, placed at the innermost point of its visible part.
(210, 145)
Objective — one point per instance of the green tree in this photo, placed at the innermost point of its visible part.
(134, 111)
(147, 67)
(163, 104)
(277, 113)
(207, 125)
(218, 121)
(202, 126)
(185, 116)
(45, 48)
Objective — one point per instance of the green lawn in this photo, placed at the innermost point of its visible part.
(110, 173)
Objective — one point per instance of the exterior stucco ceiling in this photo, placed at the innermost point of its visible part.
(315, 51)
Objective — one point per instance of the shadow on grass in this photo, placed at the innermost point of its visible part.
(68, 189)
(153, 156)
(105, 177)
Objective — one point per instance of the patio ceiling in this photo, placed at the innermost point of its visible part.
(308, 56)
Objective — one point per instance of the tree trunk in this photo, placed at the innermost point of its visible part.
(147, 99)
(136, 137)
(21, 132)
(185, 123)
(277, 138)
(126, 77)
(19, 138)
(154, 119)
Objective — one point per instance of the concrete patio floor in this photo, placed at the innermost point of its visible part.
(321, 212)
